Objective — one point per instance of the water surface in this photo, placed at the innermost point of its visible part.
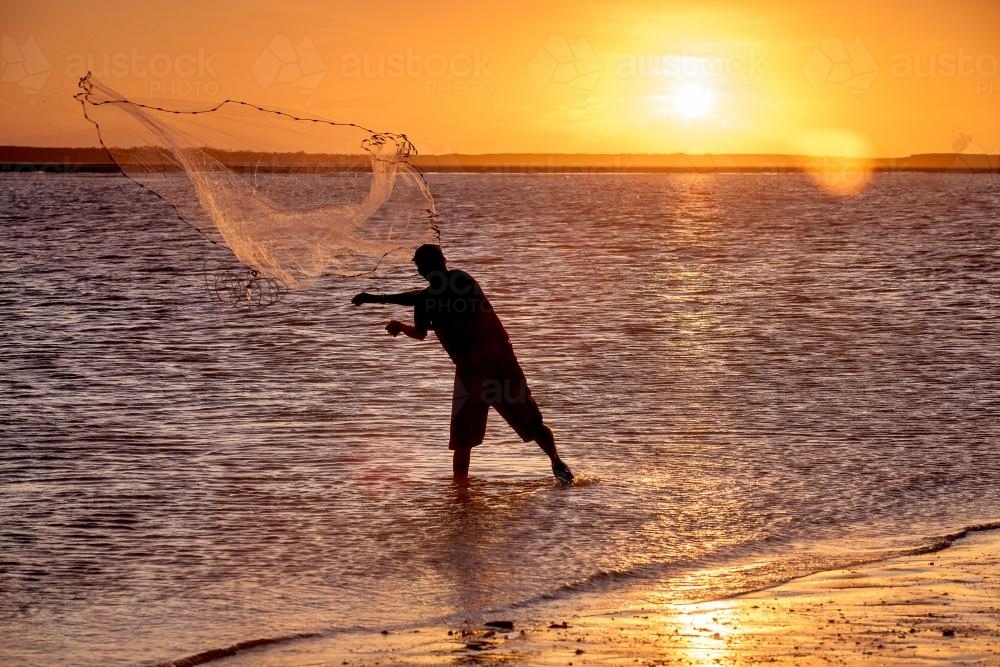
(741, 369)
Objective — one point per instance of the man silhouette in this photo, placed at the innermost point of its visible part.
(486, 371)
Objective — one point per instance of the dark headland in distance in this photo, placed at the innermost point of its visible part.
(71, 160)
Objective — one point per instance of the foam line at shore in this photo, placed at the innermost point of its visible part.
(937, 544)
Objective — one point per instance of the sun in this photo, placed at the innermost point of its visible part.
(692, 100)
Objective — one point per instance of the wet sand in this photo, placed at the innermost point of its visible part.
(940, 608)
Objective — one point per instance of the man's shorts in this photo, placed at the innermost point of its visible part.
(501, 384)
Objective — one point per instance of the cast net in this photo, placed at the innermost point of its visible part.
(293, 198)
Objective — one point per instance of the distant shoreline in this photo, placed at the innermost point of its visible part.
(60, 168)
(14, 159)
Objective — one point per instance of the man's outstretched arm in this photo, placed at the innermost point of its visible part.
(401, 299)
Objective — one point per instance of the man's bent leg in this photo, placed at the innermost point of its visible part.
(460, 464)
(516, 405)
(522, 413)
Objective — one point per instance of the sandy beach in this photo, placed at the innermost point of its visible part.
(940, 608)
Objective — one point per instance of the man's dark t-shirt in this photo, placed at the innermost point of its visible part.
(462, 318)
(487, 374)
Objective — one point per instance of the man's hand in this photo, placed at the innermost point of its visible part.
(363, 297)
(395, 327)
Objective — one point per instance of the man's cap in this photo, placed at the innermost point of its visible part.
(428, 254)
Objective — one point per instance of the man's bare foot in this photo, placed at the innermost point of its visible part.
(561, 471)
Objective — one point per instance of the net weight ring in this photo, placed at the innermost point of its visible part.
(250, 290)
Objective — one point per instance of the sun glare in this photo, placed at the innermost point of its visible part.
(692, 100)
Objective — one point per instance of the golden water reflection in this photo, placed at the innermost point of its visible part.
(704, 635)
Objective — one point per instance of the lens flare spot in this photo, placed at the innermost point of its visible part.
(838, 161)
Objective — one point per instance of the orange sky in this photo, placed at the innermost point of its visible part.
(847, 77)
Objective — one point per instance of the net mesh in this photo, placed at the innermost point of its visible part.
(294, 198)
